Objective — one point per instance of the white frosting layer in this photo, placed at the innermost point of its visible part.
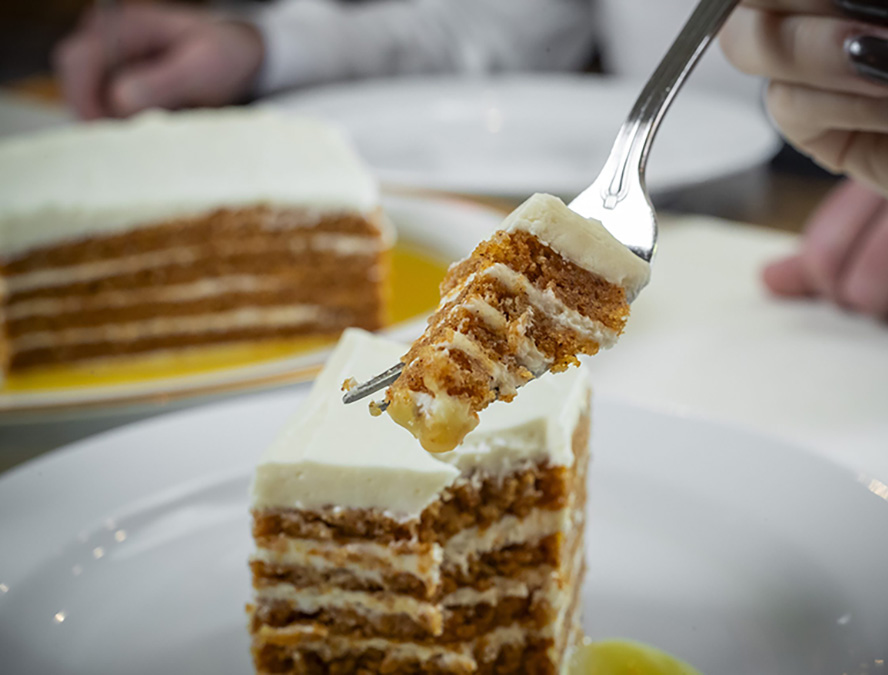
(167, 326)
(332, 454)
(367, 559)
(315, 598)
(115, 175)
(174, 293)
(584, 242)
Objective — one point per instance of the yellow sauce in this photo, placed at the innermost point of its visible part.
(416, 274)
(618, 657)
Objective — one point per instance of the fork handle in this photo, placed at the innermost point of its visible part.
(630, 151)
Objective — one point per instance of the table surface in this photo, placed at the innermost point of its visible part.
(778, 198)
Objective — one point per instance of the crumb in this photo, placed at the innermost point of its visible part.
(349, 384)
(377, 408)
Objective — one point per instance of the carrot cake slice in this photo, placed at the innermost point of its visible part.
(548, 286)
(374, 556)
(184, 229)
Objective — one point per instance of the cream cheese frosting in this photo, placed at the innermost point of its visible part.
(331, 454)
(584, 242)
(112, 175)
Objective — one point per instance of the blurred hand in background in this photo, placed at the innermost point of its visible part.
(137, 56)
(827, 63)
(844, 253)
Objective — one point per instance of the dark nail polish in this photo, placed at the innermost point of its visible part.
(869, 55)
(874, 11)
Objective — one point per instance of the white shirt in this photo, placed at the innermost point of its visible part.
(314, 41)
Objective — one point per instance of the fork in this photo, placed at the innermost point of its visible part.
(618, 198)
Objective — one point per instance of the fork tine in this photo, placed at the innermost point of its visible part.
(373, 385)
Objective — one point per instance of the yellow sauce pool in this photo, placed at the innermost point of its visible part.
(416, 274)
(619, 657)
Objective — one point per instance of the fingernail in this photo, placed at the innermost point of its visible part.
(874, 11)
(869, 56)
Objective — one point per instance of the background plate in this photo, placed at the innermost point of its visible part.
(743, 556)
(520, 134)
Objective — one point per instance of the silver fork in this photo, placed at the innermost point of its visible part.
(618, 198)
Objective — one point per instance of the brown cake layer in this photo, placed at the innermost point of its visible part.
(524, 658)
(545, 268)
(509, 561)
(301, 576)
(264, 222)
(460, 507)
(460, 623)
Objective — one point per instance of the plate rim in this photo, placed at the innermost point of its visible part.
(307, 102)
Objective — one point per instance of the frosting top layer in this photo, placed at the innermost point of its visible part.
(331, 454)
(586, 243)
(114, 175)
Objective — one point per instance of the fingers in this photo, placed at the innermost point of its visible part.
(844, 132)
(844, 255)
(172, 80)
(788, 277)
(799, 106)
(799, 49)
(210, 67)
(81, 67)
(83, 60)
(865, 283)
(139, 29)
(833, 232)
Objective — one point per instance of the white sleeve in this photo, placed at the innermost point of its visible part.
(311, 41)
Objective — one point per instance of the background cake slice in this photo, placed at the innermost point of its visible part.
(373, 556)
(175, 230)
(548, 286)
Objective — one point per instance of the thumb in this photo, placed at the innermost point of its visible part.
(190, 74)
(788, 277)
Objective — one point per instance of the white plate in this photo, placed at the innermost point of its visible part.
(127, 552)
(449, 226)
(520, 134)
(21, 115)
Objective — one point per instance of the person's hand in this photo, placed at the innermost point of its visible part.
(844, 253)
(829, 77)
(168, 57)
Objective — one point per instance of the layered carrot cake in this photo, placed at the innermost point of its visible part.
(374, 556)
(184, 229)
(548, 286)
